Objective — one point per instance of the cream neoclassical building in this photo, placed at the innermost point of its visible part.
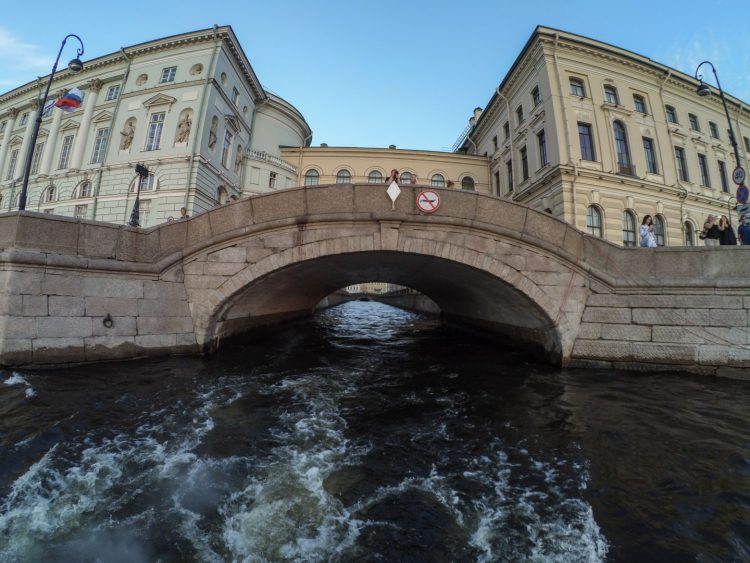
(189, 107)
(601, 136)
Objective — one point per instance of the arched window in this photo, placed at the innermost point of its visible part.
(312, 178)
(628, 228)
(83, 190)
(221, 195)
(623, 151)
(594, 221)
(467, 183)
(343, 177)
(50, 194)
(610, 95)
(437, 181)
(405, 178)
(689, 234)
(375, 177)
(660, 230)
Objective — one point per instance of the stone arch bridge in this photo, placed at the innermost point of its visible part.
(77, 291)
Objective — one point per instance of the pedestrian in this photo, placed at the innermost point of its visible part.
(711, 232)
(184, 213)
(648, 240)
(413, 178)
(393, 177)
(744, 230)
(728, 237)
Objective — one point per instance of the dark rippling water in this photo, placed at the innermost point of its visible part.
(371, 434)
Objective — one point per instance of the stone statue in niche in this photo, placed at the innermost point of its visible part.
(127, 134)
(238, 161)
(212, 133)
(183, 129)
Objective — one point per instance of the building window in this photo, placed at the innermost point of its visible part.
(437, 181)
(272, 180)
(639, 103)
(506, 130)
(648, 149)
(375, 177)
(144, 210)
(497, 182)
(577, 88)
(689, 234)
(50, 194)
(312, 178)
(729, 136)
(723, 176)
(155, 128)
(494, 142)
(405, 178)
(714, 129)
(24, 118)
(2, 126)
(235, 97)
(84, 190)
(542, 142)
(587, 141)
(693, 119)
(81, 211)
(594, 221)
(671, 114)
(628, 228)
(112, 93)
(747, 143)
(610, 95)
(536, 98)
(509, 175)
(524, 164)
(468, 183)
(47, 111)
(37, 157)
(147, 185)
(168, 74)
(49, 211)
(343, 177)
(660, 230)
(703, 165)
(67, 147)
(227, 149)
(679, 154)
(519, 115)
(100, 145)
(12, 164)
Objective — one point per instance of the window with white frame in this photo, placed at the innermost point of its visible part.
(24, 118)
(312, 178)
(272, 180)
(405, 178)
(610, 95)
(113, 93)
(84, 190)
(36, 158)
(536, 98)
(12, 164)
(541, 139)
(81, 211)
(689, 234)
(437, 181)
(65, 150)
(227, 150)
(577, 88)
(50, 194)
(628, 228)
(168, 74)
(100, 145)
(343, 177)
(594, 221)
(639, 102)
(144, 210)
(155, 128)
(375, 177)
(660, 230)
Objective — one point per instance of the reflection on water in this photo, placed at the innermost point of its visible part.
(370, 433)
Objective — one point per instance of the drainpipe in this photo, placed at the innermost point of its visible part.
(510, 134)
(200, 119)
(566, 128)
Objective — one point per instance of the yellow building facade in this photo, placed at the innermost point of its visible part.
(601, 137)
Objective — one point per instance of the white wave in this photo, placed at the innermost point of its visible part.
(18, 379)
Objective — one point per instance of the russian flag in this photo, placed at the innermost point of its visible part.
(70, 101)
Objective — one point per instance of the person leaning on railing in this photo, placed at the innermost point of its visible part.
(711, 233)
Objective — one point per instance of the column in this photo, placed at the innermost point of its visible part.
(6, 139)
(26, 146)
(83, 131)
(49, 148)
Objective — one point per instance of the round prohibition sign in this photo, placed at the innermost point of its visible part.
(428, 201)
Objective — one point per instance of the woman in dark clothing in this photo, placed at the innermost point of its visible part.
(727, 232)
(711, 233)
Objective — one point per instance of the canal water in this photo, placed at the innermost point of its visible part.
(368, 433)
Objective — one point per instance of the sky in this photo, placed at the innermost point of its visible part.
(380, 72)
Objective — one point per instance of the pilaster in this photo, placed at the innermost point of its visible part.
(92, 93)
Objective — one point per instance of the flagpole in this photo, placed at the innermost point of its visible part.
(75, 66)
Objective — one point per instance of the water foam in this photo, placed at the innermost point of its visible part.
(18, 379)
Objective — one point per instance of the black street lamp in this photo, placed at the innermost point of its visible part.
(704, 90)
(135, 217)
(75, 66)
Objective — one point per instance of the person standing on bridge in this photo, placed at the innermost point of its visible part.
(393, 177)
(727, 232)
(744, 230)
(712, 231)
(648, 240)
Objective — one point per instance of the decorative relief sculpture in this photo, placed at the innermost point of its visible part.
(127, 133)
(183, 128)
(212, 133)
(238, 160)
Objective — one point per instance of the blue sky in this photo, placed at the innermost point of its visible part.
(380, 72)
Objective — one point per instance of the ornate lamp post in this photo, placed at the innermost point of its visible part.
(75, 66)
(135, 217)
(703, 91)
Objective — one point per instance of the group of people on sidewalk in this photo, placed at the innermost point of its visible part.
(716, 232)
